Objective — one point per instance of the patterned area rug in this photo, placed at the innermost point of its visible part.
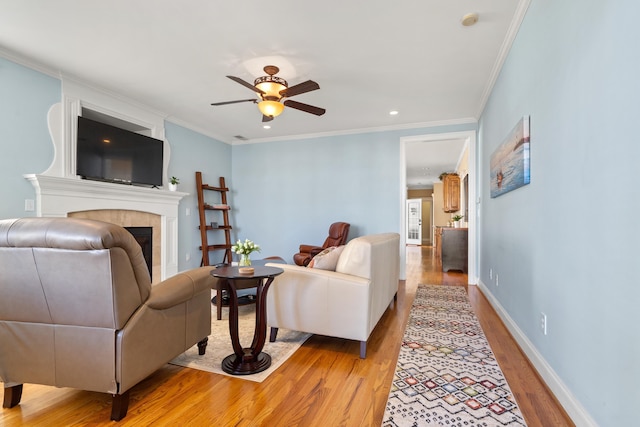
(446, 373)
(219, 345)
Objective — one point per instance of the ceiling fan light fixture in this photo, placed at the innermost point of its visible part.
(270, 108)
(272, 90)
(271, 86)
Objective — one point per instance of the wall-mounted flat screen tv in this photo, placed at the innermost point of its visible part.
(108, 153)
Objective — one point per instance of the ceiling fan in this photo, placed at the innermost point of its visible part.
(272, 90)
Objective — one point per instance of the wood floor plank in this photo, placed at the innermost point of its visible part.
(325, 383)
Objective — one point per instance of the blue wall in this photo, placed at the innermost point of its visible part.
(566, 244)
(289, 192)
(25, 144)
(191, 152)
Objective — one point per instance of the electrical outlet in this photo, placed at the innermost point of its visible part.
(29, 205)
(543, 323)
(187, 211)
(491, 273)
(188, 256)
(497, 280)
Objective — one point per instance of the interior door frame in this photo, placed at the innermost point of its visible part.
(471, 142)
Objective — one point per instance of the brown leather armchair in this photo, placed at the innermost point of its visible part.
(338, 232)
(77, 309)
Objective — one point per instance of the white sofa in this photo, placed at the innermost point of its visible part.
(346, 303)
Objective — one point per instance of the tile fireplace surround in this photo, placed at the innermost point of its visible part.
(124, 205)
(127, 218)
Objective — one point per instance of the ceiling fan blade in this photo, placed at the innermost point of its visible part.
(234, 102)
(305, 107)
(266, 118)
(303, 87)
(247, 84)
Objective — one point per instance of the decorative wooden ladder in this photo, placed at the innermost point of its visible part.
(206, 227)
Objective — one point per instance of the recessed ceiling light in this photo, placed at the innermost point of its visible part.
(469, 19)
(266, 127)
(393, 112)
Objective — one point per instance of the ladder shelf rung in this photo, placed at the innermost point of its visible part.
(217, 207)
(214, 247)
(212, 188)
(220, 227)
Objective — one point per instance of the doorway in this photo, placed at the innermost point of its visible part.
(470, 141)
(414, 222)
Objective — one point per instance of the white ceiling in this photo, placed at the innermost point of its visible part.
(426, 160)
(369, 57)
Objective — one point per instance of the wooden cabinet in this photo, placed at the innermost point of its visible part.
(438, 237)
(451, 192)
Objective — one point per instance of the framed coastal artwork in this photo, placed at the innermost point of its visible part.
(510, 168)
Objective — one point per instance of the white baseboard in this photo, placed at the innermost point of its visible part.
(574, 409)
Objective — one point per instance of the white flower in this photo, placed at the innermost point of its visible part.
(245, 248)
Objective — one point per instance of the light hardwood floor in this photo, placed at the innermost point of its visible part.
(324, 383)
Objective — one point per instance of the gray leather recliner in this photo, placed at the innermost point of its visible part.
(77, 309)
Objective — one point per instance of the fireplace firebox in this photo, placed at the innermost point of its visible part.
(144, 237)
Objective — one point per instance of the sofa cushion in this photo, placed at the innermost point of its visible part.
(327, 259)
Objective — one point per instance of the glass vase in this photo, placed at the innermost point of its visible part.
(244, 260)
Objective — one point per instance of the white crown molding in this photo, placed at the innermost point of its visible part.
(190, 126)
(70, 79)
(512, 32)
(28, 62)
(423, 125)
(75, 81)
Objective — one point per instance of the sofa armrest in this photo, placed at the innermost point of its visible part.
(180, 288)
(176, 316)
(320, 302)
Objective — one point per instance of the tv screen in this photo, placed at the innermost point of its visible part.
(108, 153)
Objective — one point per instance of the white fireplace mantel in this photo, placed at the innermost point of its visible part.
(59, 191)
(57, 196)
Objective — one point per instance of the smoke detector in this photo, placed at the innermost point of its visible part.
(469, 19)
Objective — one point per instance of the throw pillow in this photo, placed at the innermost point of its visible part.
(319, 256)
(327, 259)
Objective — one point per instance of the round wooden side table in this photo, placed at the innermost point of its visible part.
(250, 360)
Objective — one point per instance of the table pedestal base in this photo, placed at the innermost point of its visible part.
(245, 361)
(234, 365)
